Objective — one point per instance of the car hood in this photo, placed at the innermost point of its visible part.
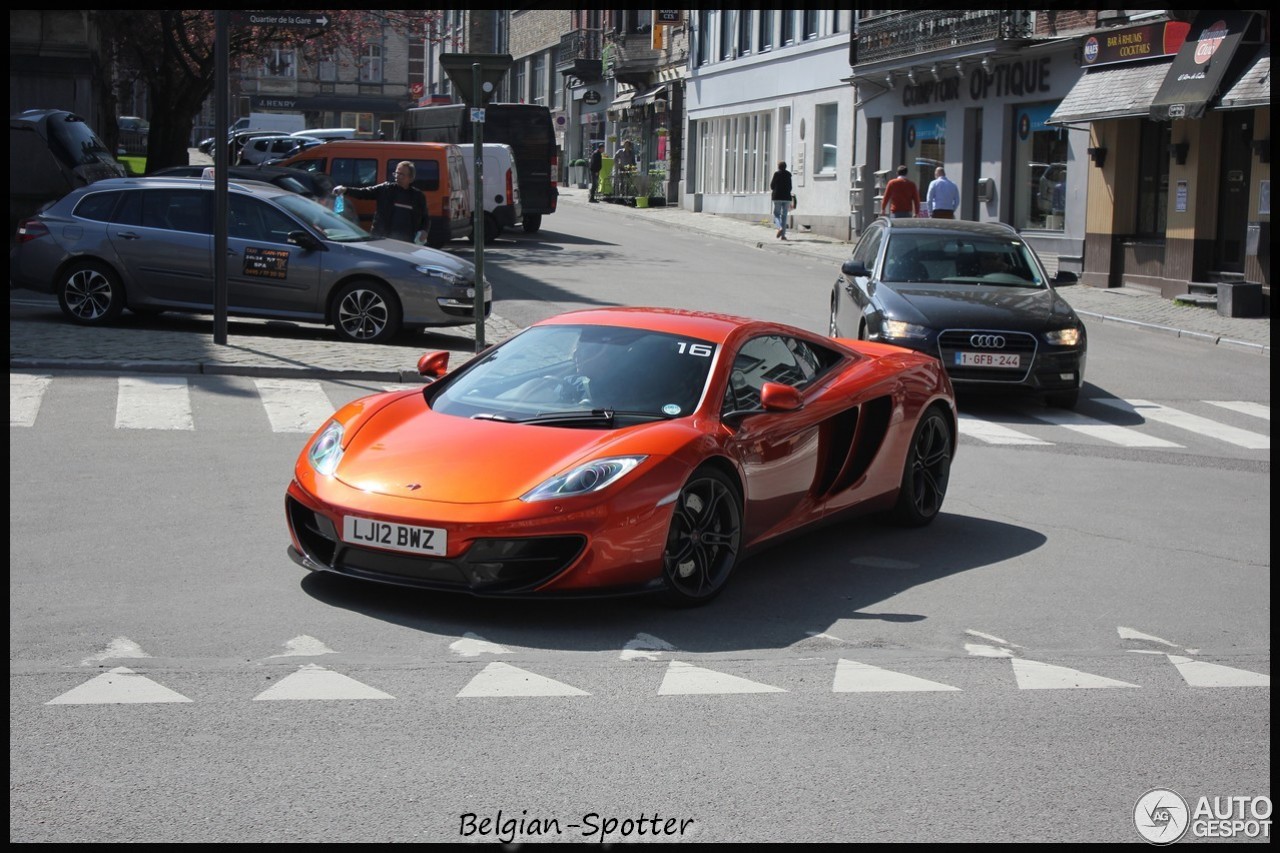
(941, 306)
(409, 451)
(414, 254)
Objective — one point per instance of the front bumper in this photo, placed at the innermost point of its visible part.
(513, 549)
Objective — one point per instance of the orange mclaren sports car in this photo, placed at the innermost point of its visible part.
(620, 450)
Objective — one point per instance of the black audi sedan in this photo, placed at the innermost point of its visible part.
(972, 294)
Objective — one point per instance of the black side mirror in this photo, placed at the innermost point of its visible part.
(304, 240)
(853, 268)
(1065, 277)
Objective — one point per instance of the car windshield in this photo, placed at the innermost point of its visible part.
(967, 259)
(334, 226)
(580, 376)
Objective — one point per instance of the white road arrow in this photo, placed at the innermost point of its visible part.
(120, 686)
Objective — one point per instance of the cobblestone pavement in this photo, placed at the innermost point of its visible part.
(40, 339)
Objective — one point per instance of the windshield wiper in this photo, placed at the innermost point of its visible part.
(578, 417)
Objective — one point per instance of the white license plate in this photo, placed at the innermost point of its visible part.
(988, 359)
(394, 537)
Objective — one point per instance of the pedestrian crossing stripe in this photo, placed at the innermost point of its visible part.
(686, 679)
(1192, 423)
(25, 395)
(119, 686)
(154, 402)
(294, 405)
(503, 679)
(314, 682)
(854, 677)
(302, 406)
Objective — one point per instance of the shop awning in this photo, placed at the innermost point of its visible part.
(623, 101)
(649, 96)
(1200, 68)
(1253, 89)
(1118, 91)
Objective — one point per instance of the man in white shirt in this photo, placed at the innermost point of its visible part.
(943, 197)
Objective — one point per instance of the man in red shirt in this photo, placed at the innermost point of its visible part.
(901, 196)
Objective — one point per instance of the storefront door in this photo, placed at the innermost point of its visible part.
(1233, 195)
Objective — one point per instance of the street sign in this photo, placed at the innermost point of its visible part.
(292, 20)
(461, 67)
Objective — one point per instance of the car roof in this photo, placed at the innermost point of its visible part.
(166, 182)
(950, 226)
(705, 325)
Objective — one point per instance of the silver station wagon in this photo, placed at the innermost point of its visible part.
(146, 244)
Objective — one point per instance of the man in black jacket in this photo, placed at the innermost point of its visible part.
(780, 195)
(401, 212)
(593, 166)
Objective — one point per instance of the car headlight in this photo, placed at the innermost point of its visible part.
(899, 329)
(326, 450)
(447, 276)
(1063, 337)
(584, 479)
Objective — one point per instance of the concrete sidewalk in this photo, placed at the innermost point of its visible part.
(40, 339)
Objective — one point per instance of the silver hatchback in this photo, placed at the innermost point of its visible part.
(146, 244)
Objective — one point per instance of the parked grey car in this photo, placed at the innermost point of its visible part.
(972, 294)
(147, 244)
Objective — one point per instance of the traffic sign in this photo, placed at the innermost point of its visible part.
(292, 20)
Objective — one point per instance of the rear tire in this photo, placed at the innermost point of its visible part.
(492, 228)
(90, 294)
(366, 312)
(926, 471)
(532, 222)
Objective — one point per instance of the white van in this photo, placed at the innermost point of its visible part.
(327, 133)
(502, 207)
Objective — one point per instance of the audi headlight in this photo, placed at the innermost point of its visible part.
(1063, 337)
(585, 479)
(899, 329)
(447, 276)
(326, 450)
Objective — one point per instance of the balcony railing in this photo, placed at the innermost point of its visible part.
(631, 58)
(908, 33)
(579, 54)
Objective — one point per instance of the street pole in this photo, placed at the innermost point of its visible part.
(220, 160)
(477, 196)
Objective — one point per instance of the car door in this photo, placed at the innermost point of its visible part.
(266, 274)
(164, 242)
(778, 452)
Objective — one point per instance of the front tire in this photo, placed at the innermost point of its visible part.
(926, 471)
(90, 294)
(704, 540)
(366, 312)
(532, 222)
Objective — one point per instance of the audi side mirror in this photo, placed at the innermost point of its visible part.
(1065, 277)
(852, 268)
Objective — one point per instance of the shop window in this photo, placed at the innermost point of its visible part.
(1040, 169)
(1153, 178)
(926, 148)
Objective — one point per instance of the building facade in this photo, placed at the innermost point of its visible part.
(767, 86)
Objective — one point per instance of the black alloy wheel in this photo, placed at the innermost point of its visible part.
(926, 472)
(366, 312)
(704, 540)
(91, 294)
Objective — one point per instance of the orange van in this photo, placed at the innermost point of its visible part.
(441, 176)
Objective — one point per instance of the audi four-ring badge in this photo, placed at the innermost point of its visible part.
(973, 295)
